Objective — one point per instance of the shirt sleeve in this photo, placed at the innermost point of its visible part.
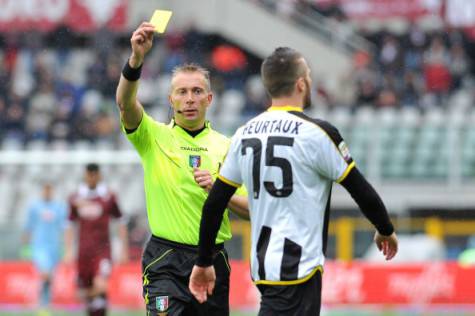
(332, 159)
(230, 172)
(141, 137)
(115, 211)
(73, 210)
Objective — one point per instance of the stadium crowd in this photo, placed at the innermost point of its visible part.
(58, 87)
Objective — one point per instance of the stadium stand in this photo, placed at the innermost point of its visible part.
(405, 108)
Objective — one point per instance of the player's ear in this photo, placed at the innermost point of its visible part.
(210, 97)
(300, 84)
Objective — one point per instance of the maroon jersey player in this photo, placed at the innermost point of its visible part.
(92, 207)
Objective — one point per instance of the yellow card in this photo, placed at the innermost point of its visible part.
(160, 20)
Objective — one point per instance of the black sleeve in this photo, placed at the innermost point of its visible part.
(369, 201)
(211, 219)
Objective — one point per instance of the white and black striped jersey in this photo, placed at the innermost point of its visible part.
(288, 163)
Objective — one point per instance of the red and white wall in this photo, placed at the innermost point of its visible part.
(356, 283)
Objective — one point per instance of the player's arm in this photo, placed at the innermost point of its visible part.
(213, 210)
(122, 231)
(69, 234)
(131, 110)
(373, 208)
(26, 235)
(203, 276)
(333, 160)
(70, 231)
(239, 205)
(124, 241)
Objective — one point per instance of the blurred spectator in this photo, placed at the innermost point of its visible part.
(436, 70)
(41, 112)
(4, 76)
(3, 111)
(113, 70)
(417, 37)
(459, 65)
(366, 93)
(43, 231)
(412, 89)
(390, 54)
(387, 98)
(230, 63)
(14, 122)
(256, 98)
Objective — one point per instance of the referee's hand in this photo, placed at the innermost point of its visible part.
(141, 42)
(203, 178)
(202, 282)
(386, 244)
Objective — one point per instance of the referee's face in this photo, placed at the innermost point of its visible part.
(190, 97)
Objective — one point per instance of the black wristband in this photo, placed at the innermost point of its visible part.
(131, 74)
(204, 261)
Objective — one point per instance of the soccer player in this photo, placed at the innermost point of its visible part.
(44, 230)
(180, 161)
(92, 207)
(288, 161)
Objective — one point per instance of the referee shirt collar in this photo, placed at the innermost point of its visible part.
(287, 108)
(205, 130)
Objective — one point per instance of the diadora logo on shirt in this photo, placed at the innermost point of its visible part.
(193, 148)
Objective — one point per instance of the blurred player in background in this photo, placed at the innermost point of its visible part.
(92, 207)
(180, 161)
(290, 161)
(44, 229)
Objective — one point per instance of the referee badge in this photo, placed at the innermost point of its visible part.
(162, 303)
(194, 161)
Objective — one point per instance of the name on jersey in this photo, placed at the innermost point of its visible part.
(272, 126)
(193, 148)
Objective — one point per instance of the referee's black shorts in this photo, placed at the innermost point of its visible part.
(166, 268)
(292, 300)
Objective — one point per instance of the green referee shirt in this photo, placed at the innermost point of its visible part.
(174, 199)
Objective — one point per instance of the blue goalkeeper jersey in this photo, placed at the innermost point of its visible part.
(46, 222)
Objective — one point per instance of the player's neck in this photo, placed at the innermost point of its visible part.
(199, 126)
(294, 101)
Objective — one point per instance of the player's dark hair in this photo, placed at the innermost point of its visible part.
(280, 71)
(193, 67)
(92, 167)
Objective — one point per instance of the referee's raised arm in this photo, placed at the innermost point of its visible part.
(126, 94)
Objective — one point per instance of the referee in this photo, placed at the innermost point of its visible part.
(289, 162)
(180, 161)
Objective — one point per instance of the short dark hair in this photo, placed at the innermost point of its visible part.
(92, 167)
(280, 71)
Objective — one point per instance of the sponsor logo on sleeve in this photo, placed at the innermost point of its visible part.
(344, 151)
